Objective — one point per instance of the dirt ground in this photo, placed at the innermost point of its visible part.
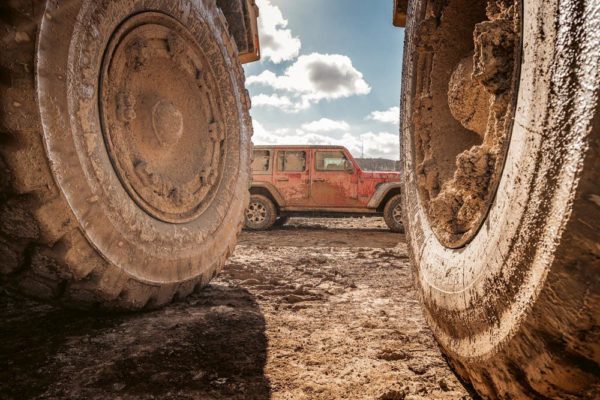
(319, 309)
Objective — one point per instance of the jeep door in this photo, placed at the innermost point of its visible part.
(334, 180)
(291, 176)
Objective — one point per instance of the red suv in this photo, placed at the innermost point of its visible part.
(324, 181)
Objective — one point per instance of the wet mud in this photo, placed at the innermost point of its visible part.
(318, 309)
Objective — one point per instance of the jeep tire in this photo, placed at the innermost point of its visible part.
(515, 306)
(281, 221)
(261, 213)
(392, 214)
(124, 149)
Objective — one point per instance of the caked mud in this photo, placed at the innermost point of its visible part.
(463, 113)
(319, 309)
(116, 192)
(509, 290)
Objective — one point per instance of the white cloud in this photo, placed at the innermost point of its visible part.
(315, 77)
(326, 125)
(276, 42)
(283, 103)
(391, 116)
(273, 100)
(282, 131)
(382, 144)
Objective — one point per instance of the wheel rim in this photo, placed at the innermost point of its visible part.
(164, 140)
(397, 214)
(467, 70)
(256, 213)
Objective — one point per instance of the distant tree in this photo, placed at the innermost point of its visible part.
(378, 164)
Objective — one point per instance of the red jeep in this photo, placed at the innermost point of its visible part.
(324, 181)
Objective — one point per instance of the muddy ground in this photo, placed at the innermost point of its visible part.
(319, 309)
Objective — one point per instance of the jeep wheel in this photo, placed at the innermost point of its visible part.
(260, 213)
(501, 167)
(392, 214)
(281, 221)
(125, 140)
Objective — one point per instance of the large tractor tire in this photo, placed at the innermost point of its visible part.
(501, 198)
(125, 143)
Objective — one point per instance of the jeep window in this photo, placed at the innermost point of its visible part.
(332, 161)
(262, 161)
(291, 161)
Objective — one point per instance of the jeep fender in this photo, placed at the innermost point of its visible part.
(271, 189)
(381, 193)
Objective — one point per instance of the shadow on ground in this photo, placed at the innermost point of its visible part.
(210, 346)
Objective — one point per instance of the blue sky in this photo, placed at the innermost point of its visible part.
(330, 73)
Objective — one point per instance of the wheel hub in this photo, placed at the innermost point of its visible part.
(256, 213)
(160, 117)
(397, 214)
(167, 123)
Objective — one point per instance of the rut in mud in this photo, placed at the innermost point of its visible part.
(316, 310)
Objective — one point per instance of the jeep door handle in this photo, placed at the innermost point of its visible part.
(283, 179)
(318, 180)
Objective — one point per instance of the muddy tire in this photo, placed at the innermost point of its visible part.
(261, 213)
(513, 299)
(392, 214)
(124, 149)
(281, 221)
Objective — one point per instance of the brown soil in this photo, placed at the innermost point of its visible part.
(315, 310)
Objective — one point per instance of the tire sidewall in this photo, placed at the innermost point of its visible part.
(70, 52)
(475, 297)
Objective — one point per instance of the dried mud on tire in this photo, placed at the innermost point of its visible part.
(294, 320)
(514, 303)
(106, 201)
